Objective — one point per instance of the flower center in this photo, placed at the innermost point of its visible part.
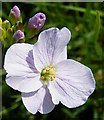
(48, 73)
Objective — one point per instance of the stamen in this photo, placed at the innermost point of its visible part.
(48, 74)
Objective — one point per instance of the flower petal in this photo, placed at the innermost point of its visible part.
(26, 83)
(74, 83)
(50, 46)
(54, 93)
(19, 59)
(62, 56)
(33, 100)
(47, 104)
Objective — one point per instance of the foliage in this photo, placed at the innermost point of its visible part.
(86, 22)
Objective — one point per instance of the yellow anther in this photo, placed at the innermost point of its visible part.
(53, 77)
(42, 77)
(51, 66)
(44, 71)
(48, 73)
(47, 68)
(52, 71)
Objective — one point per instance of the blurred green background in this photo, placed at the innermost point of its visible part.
(86, 22)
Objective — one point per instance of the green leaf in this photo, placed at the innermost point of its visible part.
(96, 35)
(2, 72)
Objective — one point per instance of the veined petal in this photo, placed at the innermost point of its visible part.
(74, 71)
(27, 83)
(39, 100)
(53, 91)
(50, 48)
(47, 104)
(62, 56)
(33, 100)
(19, 59)
(74, 83)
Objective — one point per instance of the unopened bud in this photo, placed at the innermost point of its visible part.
(19, 26)
(19, 36)
(16, 11)
(9, 35)
(37, 21)
(2, 34)
(6, 24)
(14, 15)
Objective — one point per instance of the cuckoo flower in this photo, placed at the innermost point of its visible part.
(45, 76)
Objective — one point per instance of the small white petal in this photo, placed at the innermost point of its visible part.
(74, 84)
(33, 100)
(26, 83)
(50, 47)
(54, 93)
(62, 56)
(19, 64)
(19, 59)
(75, 72)
(47, 104)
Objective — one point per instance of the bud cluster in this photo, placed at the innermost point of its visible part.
(13, 30)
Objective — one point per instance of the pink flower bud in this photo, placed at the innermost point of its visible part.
(18, 35)
(37, 21)
(16, 11)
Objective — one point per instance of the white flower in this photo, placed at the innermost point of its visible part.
(45, 76)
